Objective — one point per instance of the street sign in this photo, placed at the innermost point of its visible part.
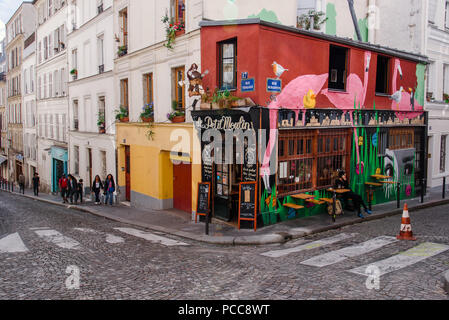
(248, 85)
(274, 85)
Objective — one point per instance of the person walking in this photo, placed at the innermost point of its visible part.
(109, 187)
(80, 190)
(96, 187)
(36, 184)
(342, 183)
(22, 183)
(73, 189)
(63, 186)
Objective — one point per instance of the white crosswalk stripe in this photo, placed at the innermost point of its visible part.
(336, 256)
(58, 239)
(12, 243)
(151, 237)
(308, 246)
(404, 259)
(110, 238)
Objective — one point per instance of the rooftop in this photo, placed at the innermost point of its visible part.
(320, 35)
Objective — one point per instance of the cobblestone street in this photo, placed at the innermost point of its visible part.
(38, 242)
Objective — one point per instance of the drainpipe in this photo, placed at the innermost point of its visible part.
(354, 19)
(371, 21)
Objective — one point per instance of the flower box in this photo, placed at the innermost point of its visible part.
(147, 119)
(178, 119)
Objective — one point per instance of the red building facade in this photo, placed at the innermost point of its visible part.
(331, 104)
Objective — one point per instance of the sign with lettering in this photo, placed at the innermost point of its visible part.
(203, 200)
(248, 85)
(274, 85)
(247, 202)
(225, 123)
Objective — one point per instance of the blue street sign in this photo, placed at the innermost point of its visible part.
(274, 85)
(248, 85)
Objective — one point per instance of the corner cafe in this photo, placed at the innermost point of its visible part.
(334, 111)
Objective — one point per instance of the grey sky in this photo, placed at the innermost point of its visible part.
(7, 9)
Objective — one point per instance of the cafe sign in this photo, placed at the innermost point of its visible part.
(225, 123)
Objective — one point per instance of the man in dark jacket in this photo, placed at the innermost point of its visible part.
(73, 189)
(36, 183)
(342, 183)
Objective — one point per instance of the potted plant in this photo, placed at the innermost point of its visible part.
(446, 97)
(147, 114)
(172, 29)
(122, 114)
(74, 73)
(101, 122)
(122, 50)
(177, 115)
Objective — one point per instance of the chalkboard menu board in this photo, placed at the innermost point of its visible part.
(203, 202)
(247, 202)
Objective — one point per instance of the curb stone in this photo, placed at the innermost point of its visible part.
(446, 281)
(274, 238)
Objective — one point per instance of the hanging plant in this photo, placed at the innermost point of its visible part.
(304, 20)
(170, 29)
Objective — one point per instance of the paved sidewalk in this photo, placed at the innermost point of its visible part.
(180, 224)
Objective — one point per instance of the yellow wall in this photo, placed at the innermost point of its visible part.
(151, 167)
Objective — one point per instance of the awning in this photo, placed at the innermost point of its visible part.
(2, 159)
(178, 156)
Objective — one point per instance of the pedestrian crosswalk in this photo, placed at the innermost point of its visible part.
(13, 243)
(396, 262)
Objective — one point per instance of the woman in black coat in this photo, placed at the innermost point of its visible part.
(342, 183)
(97, 185)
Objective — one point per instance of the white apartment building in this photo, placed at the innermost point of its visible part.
(20, 26)
(29, 108)
(91, 124)
(3, 120)
(52, 91)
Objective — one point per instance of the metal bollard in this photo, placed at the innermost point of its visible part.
(398, 190)
(444, 187)
(422, 190)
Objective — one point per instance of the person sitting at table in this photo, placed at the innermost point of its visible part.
(342, 183)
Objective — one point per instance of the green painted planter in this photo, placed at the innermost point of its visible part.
(273, 218)
(266, 218)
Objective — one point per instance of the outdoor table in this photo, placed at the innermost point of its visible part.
(380, 176)
(302, 196)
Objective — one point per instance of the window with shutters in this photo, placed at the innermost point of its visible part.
(148, 88)
(179, 87)
(124, 93)
(443, 153)
(402, 138)
(123, 17)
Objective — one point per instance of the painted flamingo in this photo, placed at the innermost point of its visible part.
(292, 97)
(405, 103)
(355, 90)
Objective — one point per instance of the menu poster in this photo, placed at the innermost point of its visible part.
(247, 202)
(203, 203)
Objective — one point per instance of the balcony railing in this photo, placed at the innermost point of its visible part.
(101, 69)
(75, 124)
(100, 8)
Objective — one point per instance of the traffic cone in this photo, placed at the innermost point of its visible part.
(406, 228)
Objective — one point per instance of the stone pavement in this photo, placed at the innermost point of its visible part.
(180, 224)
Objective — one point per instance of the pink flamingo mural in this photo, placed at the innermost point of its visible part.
(406, 103)
(355, 90)
(291, 97)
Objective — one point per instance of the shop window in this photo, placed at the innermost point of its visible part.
(382, 75)
(303, 167)
(228, 65)
(338, 64)
(401, 139)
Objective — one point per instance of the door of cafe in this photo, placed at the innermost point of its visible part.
(182, 187)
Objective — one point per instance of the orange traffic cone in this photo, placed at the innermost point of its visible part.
(406, 229)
